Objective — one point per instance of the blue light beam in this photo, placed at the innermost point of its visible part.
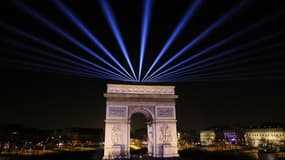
(87, 32)
(232, 63)
(52, 26)
(257, 75)
(189, 68)
(237, 69)
(56, 56)
(107, 11)
(237, 73)
(52, 46)
(188, 15)
(59, 66)
(223, 42)
(215, 64)
(48, 68)
(205, 33)
(144, 34)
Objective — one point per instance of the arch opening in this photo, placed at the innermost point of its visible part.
(138, 135)
(142, 110)
(146, 141)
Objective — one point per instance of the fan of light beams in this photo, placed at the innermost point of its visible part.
(208, 67)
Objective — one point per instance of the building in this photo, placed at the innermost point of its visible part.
(230, 137)
(264, 137)
(156, 103)
(207, 137)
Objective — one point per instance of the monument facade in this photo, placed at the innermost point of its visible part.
(157, 103)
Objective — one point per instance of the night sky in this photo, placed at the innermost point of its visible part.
(240, 96)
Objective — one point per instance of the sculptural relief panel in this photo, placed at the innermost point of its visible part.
(165, 112)
(116, 134)
(114, 112)
(165, 136)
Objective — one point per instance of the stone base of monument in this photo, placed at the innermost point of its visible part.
(170, 151)
(116, 152)
(166, 151)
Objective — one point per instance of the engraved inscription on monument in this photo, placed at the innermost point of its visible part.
(165, 112)
(117, 112)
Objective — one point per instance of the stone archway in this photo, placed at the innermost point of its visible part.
(148, 113)
(157, 103)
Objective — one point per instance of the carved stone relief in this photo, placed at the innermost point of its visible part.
(165, 112)
(117, 111)
(165, 134)
(116, 135)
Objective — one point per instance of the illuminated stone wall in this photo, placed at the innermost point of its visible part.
(157, 103)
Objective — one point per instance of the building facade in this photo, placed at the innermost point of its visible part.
(207, 137)
(230, 137)
(264, 137)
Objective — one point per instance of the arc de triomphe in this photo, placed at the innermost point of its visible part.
(157, 103)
